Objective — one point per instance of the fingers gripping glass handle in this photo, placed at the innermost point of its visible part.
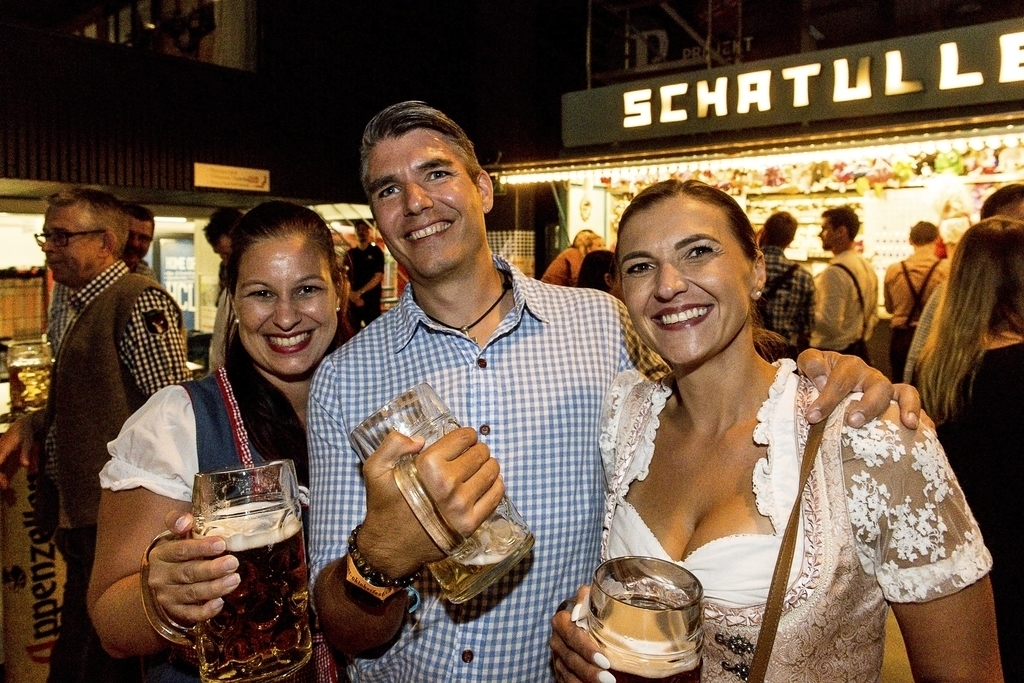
(158, 618)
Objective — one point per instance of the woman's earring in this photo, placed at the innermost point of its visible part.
(757, 295)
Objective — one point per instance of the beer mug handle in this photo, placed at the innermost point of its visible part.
(158, 619)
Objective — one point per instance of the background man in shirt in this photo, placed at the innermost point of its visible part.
(787, 300)
(528, 379)
(908, 285)
(846, 301)
(218, 234)
(366, 276)
(141, 226)
(117, 342)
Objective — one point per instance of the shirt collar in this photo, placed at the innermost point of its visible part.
(81, 298)
(524, 293)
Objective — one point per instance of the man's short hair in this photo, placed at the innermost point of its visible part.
(1008, 197)
(404, 117)
(221, 222)
(843, 215)
(139, 213)
(779, 230)
(105, 210)
(924, 233)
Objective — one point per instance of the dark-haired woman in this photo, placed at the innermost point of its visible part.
(287, 290)
(595, 272)
(703, 469)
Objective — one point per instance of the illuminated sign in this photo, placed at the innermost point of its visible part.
(178, 274)
(974, 65)
(231, 177)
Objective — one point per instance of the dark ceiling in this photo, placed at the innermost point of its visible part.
(49, 14)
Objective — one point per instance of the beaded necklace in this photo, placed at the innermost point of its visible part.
(506, 285)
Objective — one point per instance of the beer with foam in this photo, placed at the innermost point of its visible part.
(647, 616)
(491, 551)
(262, 631)
(28, 367)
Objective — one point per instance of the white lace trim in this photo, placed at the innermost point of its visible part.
(763, 485)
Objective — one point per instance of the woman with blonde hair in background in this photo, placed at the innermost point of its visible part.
(565, 269)
(971, 378)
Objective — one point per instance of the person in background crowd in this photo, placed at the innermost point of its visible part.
(786, 305)
(119, 341)
(366, 276)
(525, 366)
(218, 234)
(702, 470)
(594, 270)
(284, 278)
(846, 298)
(971, 377)
(1006, 201)
(141, 226)
(565, 269)
(908, 285)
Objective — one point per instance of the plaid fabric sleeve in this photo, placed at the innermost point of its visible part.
(636, 354)
(803, 315)
(153, 345)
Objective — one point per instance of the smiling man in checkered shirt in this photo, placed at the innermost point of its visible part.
(117, 339)
(525, 367)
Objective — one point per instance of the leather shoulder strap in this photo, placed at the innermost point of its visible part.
(915, 312)
(777, 591)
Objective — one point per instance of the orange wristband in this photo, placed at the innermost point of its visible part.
(356, 579)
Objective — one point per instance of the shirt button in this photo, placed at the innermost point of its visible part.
(467, 656)
(485, 429)
(481, 363)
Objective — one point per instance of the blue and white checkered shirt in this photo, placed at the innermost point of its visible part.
(538, 385)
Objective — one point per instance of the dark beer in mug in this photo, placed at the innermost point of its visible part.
(262, 632)
(651, 675)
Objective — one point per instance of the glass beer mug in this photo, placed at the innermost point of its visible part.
(494, 548)
(647, 616)
(262, 632)
(28, 367)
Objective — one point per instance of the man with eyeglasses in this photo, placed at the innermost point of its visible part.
(117, 339)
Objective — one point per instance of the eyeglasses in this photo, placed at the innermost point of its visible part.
(60, 238)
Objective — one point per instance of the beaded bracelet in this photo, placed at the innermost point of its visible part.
(373, 576)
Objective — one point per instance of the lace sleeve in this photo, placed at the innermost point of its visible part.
(913, 529)
(610, 412)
